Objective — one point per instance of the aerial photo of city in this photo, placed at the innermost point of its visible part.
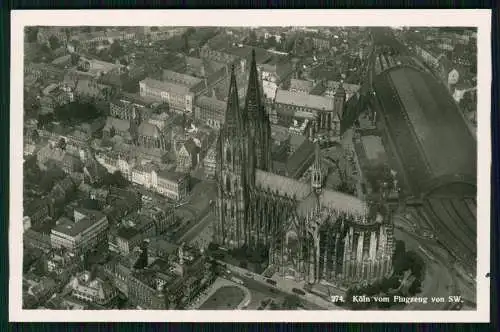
(249, 168)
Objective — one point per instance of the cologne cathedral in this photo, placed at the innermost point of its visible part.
(312, 233)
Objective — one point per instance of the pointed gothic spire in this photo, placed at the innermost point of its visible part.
(340, 91)
(316, 175)
(317, 160)
(253, 98)
(232, 120)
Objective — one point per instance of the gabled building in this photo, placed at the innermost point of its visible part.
(115, 126)
(274, 74)
(178, 96)
(297, 86)
(134, 230)
(84, 232)
(174, 185)
(188, 156)
(210, 111)
(89, 288)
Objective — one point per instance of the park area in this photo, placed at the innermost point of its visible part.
(224, 298)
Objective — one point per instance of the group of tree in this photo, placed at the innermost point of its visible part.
(255, 255)
(75, 59)
(251, 40)
(54, 42)
(75, 112)
(402, 261)
(407, 260)
(115, 179)
(116, 50)
(468, 103)
(49, 177)
(130, 85)
(31, 34)
(291, 302)
(378, 175)
(31, 173)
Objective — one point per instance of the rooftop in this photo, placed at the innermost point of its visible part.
(342, 202)
(127, 233)
(163, 245)
(148, 129)
(304, 85)
(432, 115)
(205, 101)
(304, 100)
(118, 124)
(172, 176)
(373, 147)
(73, 229)
(281, 184)
(304, 154)
(178, 78)
(279, 133)
(165, 86)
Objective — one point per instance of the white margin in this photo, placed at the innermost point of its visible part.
(479, 18)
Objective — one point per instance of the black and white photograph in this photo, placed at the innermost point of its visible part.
(225, 168)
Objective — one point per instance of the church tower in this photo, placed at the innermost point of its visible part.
(258, 125)
(316, 173)
(339, 100)
(231, 173)
(135, 122)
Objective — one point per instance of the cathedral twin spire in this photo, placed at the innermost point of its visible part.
(233, 118)
(253, 97)
(236, 120)
(316, 174)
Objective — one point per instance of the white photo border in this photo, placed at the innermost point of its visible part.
(480, 18)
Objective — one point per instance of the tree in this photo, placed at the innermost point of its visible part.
(45, 119)
(116, 50)
(116, 179)
(273, 306)
(35, 136)
(416, 264)
(49, 178)
(75, 59)
(252, 38)
(131, 85)
(185, 39)
(31, 34)
(399, 250)
(67, 32)
(291, 302)
(76, 44)
(54, 42)
(271, 41)
(212, 246)
(112, 132)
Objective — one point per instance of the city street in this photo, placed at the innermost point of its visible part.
(197, 212)
(438, 280)
(201, 229)
(283, 288)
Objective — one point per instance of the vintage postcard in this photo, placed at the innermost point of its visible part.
(221, 165)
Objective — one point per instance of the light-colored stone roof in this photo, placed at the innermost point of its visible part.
(304, 100)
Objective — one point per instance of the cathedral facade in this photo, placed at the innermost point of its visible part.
(311, 233)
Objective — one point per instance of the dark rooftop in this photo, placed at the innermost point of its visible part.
(127, 233)
(71, 228)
